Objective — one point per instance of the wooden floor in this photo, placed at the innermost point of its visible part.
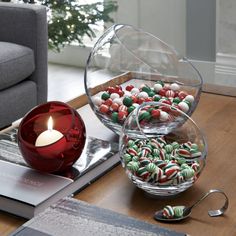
(64, 82)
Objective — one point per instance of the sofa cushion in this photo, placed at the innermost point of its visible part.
(16, 64)
(16, 101)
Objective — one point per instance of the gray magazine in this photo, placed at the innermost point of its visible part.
(75, 218)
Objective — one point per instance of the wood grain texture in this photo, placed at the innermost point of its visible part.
(216, 116)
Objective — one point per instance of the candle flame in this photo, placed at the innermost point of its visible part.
(50, 123)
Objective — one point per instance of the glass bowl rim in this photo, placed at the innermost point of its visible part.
(178, 55)
(135, 113)
(170, 48)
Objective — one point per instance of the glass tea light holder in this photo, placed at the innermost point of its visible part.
(128, 66)
(162, 149)
(51, 137)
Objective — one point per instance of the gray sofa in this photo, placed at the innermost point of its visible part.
(23, 59)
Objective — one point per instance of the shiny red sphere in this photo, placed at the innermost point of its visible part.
(60, 155)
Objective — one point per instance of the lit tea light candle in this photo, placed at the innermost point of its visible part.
(49, 136)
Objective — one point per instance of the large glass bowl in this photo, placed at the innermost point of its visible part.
(162, 149)
(128, 66)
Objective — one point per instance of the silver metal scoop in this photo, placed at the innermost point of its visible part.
(187, 210)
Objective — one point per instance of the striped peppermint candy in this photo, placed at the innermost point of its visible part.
(188, 173)
(168, 148)
(178, 179)
(123, 108)
(143, 153)
(184, 166)
(174, 152)
(156, 152)
(178, 211)
(162, 141)
(133, 166)
(170, 93)
(143, 173)
(187, 145)
(168, 157)
(148, 148)
(162, 154)
(135, 158)
(165, 181)
(184, 153)
(194, 146)
(196, 154)
(171, 170)
(180, 160)
(154, 143)
(140, 143)
(175, 145)
(132, 152)
(127, 158)
(157, 174)
(195, 166)
(168, 212)
(160, 163)
(151, 167)
(131, 143)
(144, 161)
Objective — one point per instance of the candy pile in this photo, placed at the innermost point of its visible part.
(161, 163)
(170, 212)
(117, 102)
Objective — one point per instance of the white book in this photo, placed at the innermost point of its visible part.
(26, 192)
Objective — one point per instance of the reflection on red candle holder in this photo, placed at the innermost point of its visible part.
(60, 155)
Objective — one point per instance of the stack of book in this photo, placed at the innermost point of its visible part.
(26, 192)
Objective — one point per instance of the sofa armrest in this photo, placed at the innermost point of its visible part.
(26, 24)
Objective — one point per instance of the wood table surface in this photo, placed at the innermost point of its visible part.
(216, 116)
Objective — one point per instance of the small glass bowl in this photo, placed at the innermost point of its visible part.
(128, 66)
(58, 153)
(162, 149)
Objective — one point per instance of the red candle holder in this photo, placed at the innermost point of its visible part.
(41, 146)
